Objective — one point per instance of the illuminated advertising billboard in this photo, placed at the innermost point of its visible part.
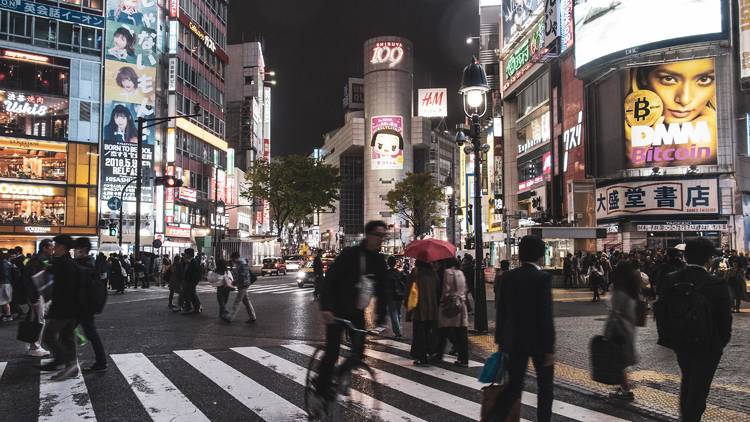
(387, 144)
(609, 29)
(517, 15)
(131, 57)
(670, 114)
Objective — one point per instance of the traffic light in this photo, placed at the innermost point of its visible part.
(113, 229)
(168, 181)
(470, 215)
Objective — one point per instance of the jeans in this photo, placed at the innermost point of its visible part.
(244, 298)
(333, 347)
(394, 313)
(222, 296)
(698, 369)
(60, 340)
(459, 337)
(517, 363)
(89, 330)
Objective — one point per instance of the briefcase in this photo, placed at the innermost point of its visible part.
(29, 329)
(607, 361)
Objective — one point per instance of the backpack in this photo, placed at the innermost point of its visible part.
(94, 291)
(684, 319)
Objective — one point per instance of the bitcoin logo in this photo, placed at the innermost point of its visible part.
(643, 108)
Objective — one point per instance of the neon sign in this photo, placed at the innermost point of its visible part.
(174, 8)
(25, 56)
(24, 104)
(391, 52)
(207, 41)
(12, 191)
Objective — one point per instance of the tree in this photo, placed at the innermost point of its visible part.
(294, 186)
(417, 199)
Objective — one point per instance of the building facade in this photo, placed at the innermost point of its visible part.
(50, 108)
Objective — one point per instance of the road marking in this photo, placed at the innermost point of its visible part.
(287, 290)
(159, 397)
(267, 289)
(2, 368)
(297, 374)
(66, 400)
(263, 402)
(529, 399)
(406, 348)
(422, 392)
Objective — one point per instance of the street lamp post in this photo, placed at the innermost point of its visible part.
(142, 125)
(474, 89)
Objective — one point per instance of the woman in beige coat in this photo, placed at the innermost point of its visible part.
(425, 316)
(453, 318)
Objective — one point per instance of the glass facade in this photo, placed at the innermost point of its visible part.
(50, 33)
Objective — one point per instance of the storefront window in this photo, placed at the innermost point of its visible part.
(45, 75)
(23, 113)
(32, 160)
(31, 205)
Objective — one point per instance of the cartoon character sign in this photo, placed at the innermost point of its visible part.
(387, 143)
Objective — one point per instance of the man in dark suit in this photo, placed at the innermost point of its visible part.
(525, 328)
(698, 363)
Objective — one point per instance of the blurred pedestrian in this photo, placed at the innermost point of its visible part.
(453, 319)
(243, 278)
(117, 274)
(193, 275)
(318, 273)
(596, 279)
(6, 288)
(525, 329)
(424, 316)
(622, 320)
(735, 278)
(176, 285)
(20, 295)
(93, 295)
(395, 286)
(568, 271)
(467, 266)
(222, 279)
(37, 263)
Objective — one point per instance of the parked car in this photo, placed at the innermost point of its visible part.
(294, 262)
(273, 266)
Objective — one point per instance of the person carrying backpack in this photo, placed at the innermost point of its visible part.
(243, 278)
(395, 286)
(693, 318)
(93, 297)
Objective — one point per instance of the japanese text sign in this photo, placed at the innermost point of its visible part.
(56, 13)
(658, 198)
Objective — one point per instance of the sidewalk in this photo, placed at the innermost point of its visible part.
(656, 377)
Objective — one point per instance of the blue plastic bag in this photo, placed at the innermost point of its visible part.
(493, 366)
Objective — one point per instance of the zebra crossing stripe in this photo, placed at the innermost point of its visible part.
(159, 397)
(66, 400)
(406, 348)
(297, 374)
(529, 399)
(422, 392)
(2, 368)
(287, 290)
(247, 391)
(266, 289)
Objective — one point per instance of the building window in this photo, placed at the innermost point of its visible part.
(533, 95)
(84, 114)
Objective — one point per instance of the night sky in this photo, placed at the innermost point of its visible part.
(315, 45)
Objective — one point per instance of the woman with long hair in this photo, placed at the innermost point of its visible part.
(622, 319)
(453, 319)
(424, 316)
(121, 127)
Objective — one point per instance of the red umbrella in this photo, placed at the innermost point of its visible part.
(429, 250)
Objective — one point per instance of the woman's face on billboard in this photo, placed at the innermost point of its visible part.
(685, 88)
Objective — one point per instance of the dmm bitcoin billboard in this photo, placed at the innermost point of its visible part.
(670, 114)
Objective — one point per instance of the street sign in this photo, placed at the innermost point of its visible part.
(114, 203)
(156, 244)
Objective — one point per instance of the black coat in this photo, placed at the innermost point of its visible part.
(66, 289)
(339, 292)
(716, 291)
(193, 271)
(524, 313)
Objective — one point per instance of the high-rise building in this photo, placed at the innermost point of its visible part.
(50, 108)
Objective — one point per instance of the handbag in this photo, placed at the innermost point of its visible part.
(607, 360)
(641, 312)
(493, 366)
(413, 300)
(29, 330)
(491, 395)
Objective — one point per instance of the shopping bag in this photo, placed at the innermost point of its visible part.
(493, 366)
(607, 360)
(490, 398)
(29, 329)
(413, 300)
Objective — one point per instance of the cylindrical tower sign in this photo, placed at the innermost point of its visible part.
(388, 109)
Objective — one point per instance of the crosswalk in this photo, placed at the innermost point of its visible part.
(278, 289)
(267, 383)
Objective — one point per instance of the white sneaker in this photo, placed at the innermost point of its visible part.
(38, 353)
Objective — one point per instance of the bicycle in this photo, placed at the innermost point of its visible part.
(321, 409)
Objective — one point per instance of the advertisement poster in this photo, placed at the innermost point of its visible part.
(517, 15)
(744, 16)
(131, 57)
(658, 198)
(620, 27)
(670, 114)
(387, 144)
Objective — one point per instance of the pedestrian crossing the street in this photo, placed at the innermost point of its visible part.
(265, 382)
